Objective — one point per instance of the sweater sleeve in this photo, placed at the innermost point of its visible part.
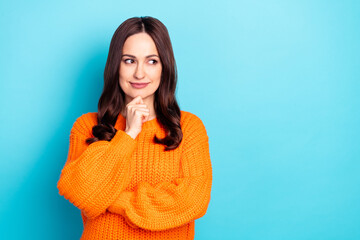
(172, 204)
(94, 175)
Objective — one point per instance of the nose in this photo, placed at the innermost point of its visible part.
(139, 71)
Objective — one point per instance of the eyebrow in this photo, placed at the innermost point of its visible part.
(152, 55)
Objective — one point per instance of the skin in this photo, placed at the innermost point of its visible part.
(143, 66)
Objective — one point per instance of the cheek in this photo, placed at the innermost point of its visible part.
(126, 69)
(156, 73)
(123, 77)
(124, 72)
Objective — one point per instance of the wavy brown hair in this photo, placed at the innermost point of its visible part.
(112, 99)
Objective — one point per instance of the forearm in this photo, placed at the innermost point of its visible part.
(94, 179)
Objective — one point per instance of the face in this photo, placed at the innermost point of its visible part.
(140, 63)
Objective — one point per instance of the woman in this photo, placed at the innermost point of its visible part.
(139, 168)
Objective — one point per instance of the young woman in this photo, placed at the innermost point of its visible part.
(140, 167)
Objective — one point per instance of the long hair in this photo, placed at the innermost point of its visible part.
(112, 99)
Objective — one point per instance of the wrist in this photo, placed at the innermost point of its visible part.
(131, 133)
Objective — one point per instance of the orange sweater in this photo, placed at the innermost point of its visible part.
(131, 188)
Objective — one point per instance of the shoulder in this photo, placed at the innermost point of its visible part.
(191, 123)
(84, 123)
(189, 118)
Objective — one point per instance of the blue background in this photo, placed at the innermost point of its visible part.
(276, 84)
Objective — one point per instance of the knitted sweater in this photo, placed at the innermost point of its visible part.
(131, 188)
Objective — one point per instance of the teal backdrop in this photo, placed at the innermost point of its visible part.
(276, 84)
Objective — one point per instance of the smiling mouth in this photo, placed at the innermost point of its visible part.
(139, 85)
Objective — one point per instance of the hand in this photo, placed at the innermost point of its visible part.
(136, 114)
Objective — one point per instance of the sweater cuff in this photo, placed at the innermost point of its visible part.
(127, 142)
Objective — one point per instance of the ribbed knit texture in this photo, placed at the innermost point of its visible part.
(131, 188)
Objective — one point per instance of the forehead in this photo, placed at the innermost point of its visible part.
(140, 44)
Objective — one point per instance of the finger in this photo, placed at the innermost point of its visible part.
(138, 100)
(138, 105)
(138, 112)
(145, 117)
(135, 107)
(132, 106)
(141, 113)
(135, 101)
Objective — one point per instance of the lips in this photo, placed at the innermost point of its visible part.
(139, 85)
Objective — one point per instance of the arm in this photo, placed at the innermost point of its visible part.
(95, 174)
(172, 204)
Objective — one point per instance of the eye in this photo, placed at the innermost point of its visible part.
(154, 61)
(127, 60)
